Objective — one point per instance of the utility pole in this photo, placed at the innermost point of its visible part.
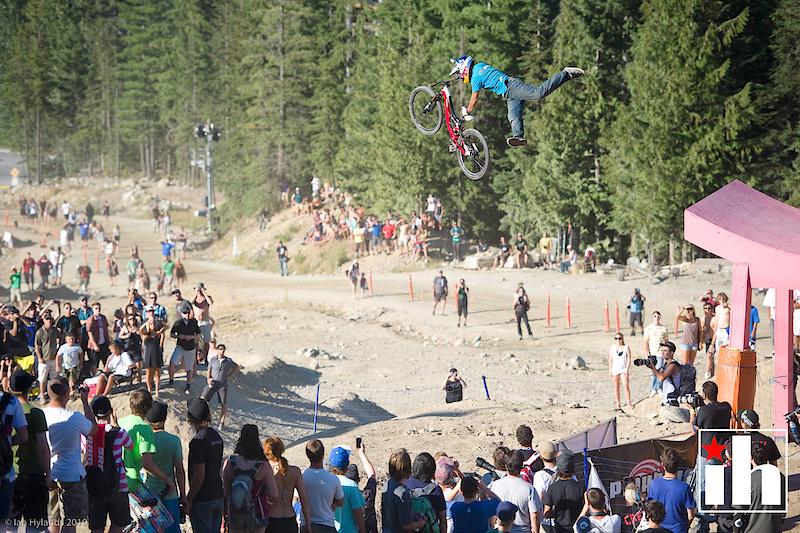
(211, 134)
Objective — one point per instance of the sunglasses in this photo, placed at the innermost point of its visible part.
(656, 316)
(617, 338)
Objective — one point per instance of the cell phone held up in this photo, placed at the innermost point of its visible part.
(358, 443)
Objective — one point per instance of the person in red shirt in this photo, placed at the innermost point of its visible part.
(388, 235)
(28, 267)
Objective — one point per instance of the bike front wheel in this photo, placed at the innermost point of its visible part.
(476, 162)
(426, 110)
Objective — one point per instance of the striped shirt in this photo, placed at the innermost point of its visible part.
(95, 453)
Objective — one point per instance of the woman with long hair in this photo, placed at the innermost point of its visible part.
(248, 460)
(288, 479)
(129, 335)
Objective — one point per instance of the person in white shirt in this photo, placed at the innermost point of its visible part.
(324, 490)
(13, 415)
(69, 499)
(118, 366)
(594, 517)
(516, 490)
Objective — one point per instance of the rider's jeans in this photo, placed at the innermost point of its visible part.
(519, 91)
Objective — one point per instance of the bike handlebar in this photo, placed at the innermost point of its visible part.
(446, 82)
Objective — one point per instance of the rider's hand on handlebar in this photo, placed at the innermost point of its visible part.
(465, 113)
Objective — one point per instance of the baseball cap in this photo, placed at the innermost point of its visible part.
(20, 380)
(157, 413)
(176, 291)
(745, 416)
(469, 486)
(198, 408)
(547, 450)
(565, 461)
(12, 309)
(445, 468)
(340, 456)
(14, 267)
(101, 405)
(669, 345)
(506, 511)
(150, 308)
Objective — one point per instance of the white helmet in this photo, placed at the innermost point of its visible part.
(462, 66)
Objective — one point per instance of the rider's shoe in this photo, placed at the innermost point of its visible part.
(452, 147)
(574, 72)
(516, 141)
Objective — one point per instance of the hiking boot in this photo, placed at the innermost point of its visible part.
(574, 72)
(516, 141)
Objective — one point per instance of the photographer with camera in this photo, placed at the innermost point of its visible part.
(669, 375)
(453, 386)
(710, 415)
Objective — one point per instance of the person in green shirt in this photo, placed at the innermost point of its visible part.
(169, 459)
(32, 461)
(141, 456)
(133, 267)
(169, 273)
(16, 286)
(456, 234)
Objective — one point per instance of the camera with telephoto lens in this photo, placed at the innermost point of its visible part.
(693, 399)
(483, 463)
(649, 361)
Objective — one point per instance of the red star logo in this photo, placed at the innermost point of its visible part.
(714, 449)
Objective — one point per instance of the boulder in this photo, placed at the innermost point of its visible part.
(673, 414)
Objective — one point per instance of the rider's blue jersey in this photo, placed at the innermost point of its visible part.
(488, 77)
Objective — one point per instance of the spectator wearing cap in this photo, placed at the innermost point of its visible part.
(180, 303)
(349, 518)
(594, 514)
(108, 434)
(516, 490)
(369, 491)
(543, 478)
(16, 286)
(70, 356)
(473, 515)
(636, 305)
(445, 477)
(564, 498)
(572, 259)
(141, 455)
(673, 493)
(220, 370)
(46, 347)
(423, 469)
(33, 461)
(669, 375)
(205, 499)
(98, 337)
(119, 366)
(506, 512)
(187, 334)
(323, 488)
(152, 332)
(168, 457)
(68, 498)
(750, 423)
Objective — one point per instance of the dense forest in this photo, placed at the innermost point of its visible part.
(679, 98)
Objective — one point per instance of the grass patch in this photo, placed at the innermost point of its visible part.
(290, 231)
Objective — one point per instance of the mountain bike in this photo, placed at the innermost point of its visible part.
(425, 107)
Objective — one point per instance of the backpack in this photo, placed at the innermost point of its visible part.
(6, 453)
(241, 500)
(103, 483)
(527, 473)
(421, 505)
(688, 380)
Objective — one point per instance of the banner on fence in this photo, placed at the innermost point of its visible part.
(601, 435)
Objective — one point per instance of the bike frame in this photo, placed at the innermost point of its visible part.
(453, 122)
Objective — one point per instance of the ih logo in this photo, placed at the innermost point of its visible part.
(735, 476)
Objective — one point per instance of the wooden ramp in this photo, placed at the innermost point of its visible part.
(761, 236)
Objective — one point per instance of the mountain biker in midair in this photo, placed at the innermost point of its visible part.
(514, 90)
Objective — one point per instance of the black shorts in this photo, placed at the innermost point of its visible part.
(118, 509)
(209, 392)
(85, 237)
(438, 297)
(30, 500)
(636, 318)
(462, 311)
(282, 525)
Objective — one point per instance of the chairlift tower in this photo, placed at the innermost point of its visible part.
(211, 134)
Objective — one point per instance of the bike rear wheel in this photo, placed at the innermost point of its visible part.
(426, 113)
(474, 165)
